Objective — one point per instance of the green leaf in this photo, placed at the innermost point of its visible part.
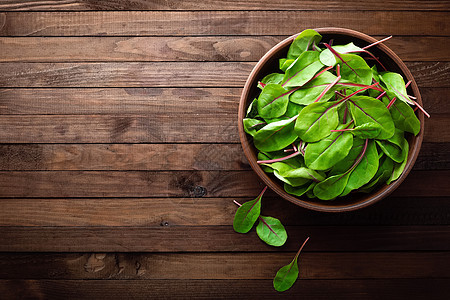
(366, 109)
(252, 110)
(331, 187)
(345, 164)
(316, 121)
(288, 274)
(275, 136)
(364, 171)
(367, 130)
(302, 172)
(251, 126)
(394, 83)
(328, 58)
(273, 78)
(392, 147)
(247, 214)
(384, 172)
(273, 101)
(293, 109)
(303, 42)
(355, 69)
(271, 231)
(300, 190)
(403, 116)
(325, 153)
(302, 69)
(398, 168)
(285, 63)
(311, 91)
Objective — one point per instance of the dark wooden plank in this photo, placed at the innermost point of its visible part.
(113, 157)
(81, 5)
(165, 74)
(210, 48)
(221, 239)
(160, 23)
(143, 212)
(42, 184)
(89, 101)
(112, 266)
(225, 289)
(202, 127)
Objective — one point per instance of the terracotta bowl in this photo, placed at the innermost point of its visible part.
(269, 64)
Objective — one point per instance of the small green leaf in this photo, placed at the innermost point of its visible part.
(328, 58)
(394, 83)
(331, 187)
(310, 92)
(273, 78)
(316, 121)
(367, 130)
(392, 147)
(285, 63)
(355, 69)
(247, 214)
(398, 168)
(251, 126)
(288, 274)
(403, 116)
(273, 101)
(300, 190)
(275, 136)
(271, 231)
(302, 69)
(303, 42)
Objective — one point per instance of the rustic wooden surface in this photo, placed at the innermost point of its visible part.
(120, 158)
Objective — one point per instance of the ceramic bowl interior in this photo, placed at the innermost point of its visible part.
(269, 64)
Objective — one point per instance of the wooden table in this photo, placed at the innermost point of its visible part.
(120, 157)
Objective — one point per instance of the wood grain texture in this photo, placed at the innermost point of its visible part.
(220, 266)
(81, 5)
(221, 238)
(41, 184)
(154, 101)
(143, 157)
(144, 212)
(199, 48)
(226, 289)
(183, 23)
(166, 74)
(188, 128)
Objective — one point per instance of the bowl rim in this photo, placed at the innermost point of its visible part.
(371, 198)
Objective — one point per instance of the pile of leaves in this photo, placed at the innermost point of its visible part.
(328, 124)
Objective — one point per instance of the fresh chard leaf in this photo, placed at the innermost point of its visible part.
(308, 93)
(252, 110)
(271, 231)
(364, 131)
(302, 69)
(366, 109)
(394, 83)
(293, 109)
(403, 116)
(383, 173)
(329, 59)
(355, 69)
(285, 63)
(247, 214)
(299, 190)
(273, 101)
(398, 168)
(325, 153)
(364, 171)
(345, 164)
(272, 78)
(251, 126)
(316, 121)
(392, 147)
(275, 136)
(303, 42)
(288, 274)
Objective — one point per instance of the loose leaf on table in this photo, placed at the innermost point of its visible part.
(329, 59)
(308, 93)
(366, 109)
(273, 101)
(398, 168)
(392, 147)
(251, 126)
(275, 136)
(365, 169)
(316, 121)
(271, 231)
(303, 42)
(288, 274)
(403, 116)
(247, 214)
(302, 69)
(325, 153)
(355, 69)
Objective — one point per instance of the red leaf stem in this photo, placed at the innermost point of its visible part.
(381, 95)
(377, 42)
(278, 159)
(328, 88)
(391, 102)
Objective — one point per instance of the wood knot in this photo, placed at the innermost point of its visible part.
(198, 191)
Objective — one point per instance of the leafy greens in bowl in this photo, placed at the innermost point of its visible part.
(323, 122)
